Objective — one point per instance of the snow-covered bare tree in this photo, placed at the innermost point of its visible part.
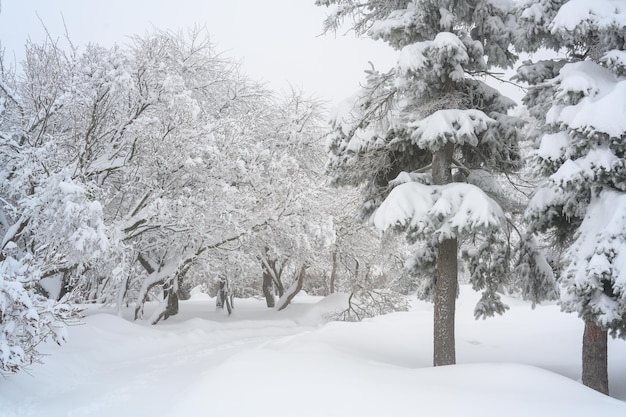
(190, 160)
(580, 207)
(286, 183)
(427, 140)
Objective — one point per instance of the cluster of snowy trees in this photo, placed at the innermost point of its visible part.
(430, 143)
(130, 174)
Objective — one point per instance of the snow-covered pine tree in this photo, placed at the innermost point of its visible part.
(581, 205)
(427, 139)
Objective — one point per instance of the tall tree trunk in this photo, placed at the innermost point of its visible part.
(595, 356)
(444, 352)
(333, 273)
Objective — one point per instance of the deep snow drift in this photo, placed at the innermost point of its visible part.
(291, 363)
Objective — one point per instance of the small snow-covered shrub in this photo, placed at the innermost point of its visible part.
(27, 318)
(366, 303)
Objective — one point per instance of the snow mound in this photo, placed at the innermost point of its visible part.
(322, 309)
(308, 383)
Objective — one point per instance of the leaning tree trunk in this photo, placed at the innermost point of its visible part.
(595, 355)
(444, 352)
(293, 290)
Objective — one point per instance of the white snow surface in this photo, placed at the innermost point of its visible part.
(260, 362)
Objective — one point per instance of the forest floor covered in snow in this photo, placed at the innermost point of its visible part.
(259, 362)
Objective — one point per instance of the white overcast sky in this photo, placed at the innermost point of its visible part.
(278, 41)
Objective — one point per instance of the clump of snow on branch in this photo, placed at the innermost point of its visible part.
(445, 55)
(67, 224)
(553, 146)
(583, 15)
(446, 211)
(596, 273)
(455, 126)
(602, 94)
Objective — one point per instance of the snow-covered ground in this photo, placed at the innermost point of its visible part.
(266, 363)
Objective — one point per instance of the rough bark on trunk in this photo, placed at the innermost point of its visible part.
(333, 273)
(595, 356)
(444, 352)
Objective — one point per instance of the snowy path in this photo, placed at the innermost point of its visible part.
(112, 366)
(261, 363)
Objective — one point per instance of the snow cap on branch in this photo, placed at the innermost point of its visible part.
(585, 15)
(445, 55)
(602, 94)
(450, 126)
